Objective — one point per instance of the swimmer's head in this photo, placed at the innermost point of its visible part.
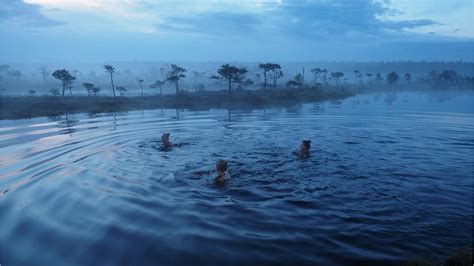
(165, 140)
(221, 166)
(165, 136)
(306, 144)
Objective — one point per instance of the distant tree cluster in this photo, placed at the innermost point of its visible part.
(321, 75)
(231, 74)
(175, 75)
(54, 92)
(121, 90)
(66, 79)
(271, 71)
(158, 85)
(91, 89)
(336, 76)
(392, 78)
(296, 82)
(235, 78)
(6, 71)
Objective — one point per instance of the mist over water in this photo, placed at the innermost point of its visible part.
(18, 78)
(389, 179)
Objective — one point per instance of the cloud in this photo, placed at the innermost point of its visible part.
(335, 19)
(310, 18)
(236, 30)
(409, 24)
(16, 11)
(212, 23)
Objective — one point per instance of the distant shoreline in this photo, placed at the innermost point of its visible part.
(22, 107)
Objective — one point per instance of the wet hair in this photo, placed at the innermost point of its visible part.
(307, 144)
(165, 135)
(221, 165)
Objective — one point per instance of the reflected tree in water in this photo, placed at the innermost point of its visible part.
(296, 109)
(67, 124)
(178, 114)
(318, 107)
(390, 98)
(114, 121)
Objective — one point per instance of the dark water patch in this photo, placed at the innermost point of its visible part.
(303, 204)
(351, 142)
(386, 141)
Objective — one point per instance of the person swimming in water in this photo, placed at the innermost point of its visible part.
(166, 143)
(165, 140)
(305, 145)
(221, 169)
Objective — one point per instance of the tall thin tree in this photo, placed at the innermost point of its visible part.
(141, 87)
(111, 70)
(316, 72)
(44, 72)
(356, 75)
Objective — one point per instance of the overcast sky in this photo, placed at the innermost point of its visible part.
(245, 30)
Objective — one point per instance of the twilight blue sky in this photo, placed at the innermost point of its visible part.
(228, 30)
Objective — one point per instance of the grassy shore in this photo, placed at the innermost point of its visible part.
(19, 107)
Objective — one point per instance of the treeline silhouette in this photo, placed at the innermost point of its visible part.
(236, 78)
(256, 76)
(236, 88)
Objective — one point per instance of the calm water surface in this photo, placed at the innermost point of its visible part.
(390, 179)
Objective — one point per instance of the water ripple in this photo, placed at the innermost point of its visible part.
(383, 184)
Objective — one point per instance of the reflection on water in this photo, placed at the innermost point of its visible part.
(389, 179)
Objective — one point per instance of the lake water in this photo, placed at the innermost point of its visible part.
(390, 179)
